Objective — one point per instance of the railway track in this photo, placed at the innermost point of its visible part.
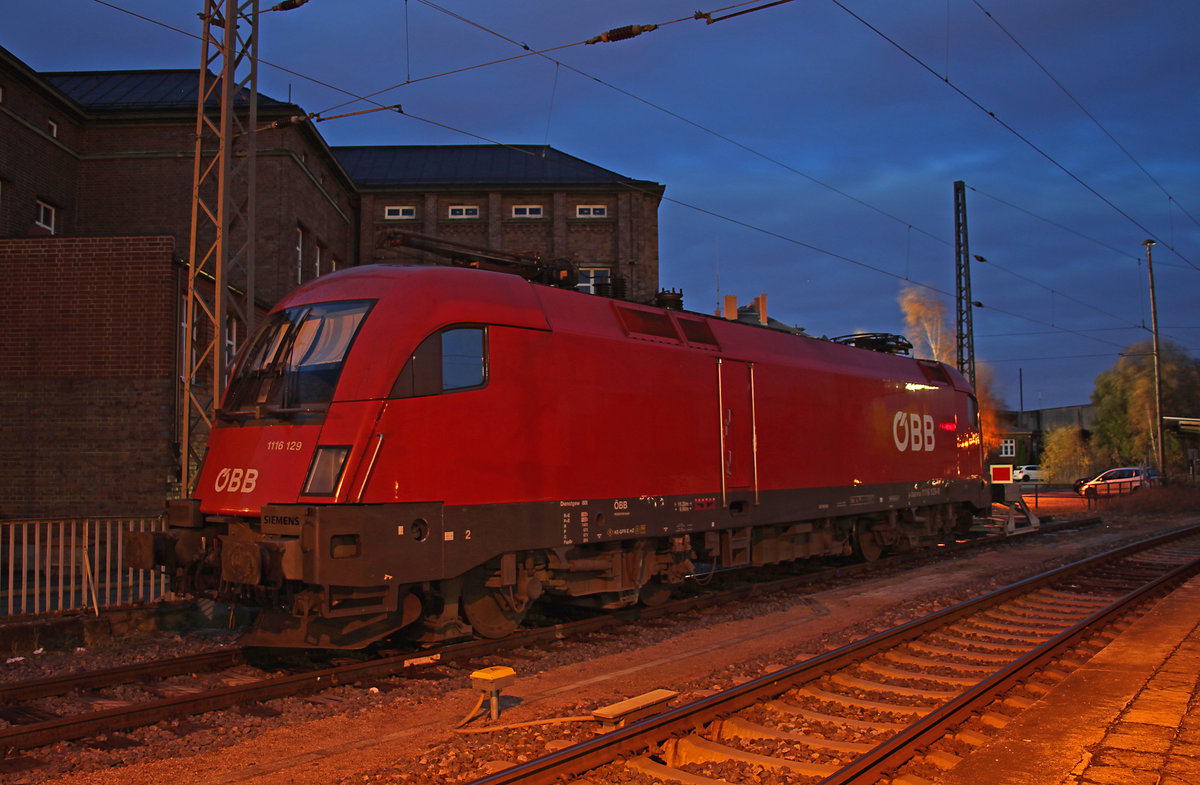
(912, 700)
(45, 711)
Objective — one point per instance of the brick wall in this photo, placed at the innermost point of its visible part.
(34, 164)
(87, 375)
(625, 241)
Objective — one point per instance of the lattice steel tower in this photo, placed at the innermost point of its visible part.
(220, 286)
(962, 287)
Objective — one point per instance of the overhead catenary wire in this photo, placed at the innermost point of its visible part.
(1005, 125)
(777, 162)
(1170, 197)
(528, 52)
(324, 116)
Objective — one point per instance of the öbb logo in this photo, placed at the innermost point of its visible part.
(234, 480)
(912, 431)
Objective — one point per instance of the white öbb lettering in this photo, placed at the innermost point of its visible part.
(912, 431)
(236, 480)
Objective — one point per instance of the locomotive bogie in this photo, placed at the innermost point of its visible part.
(434, 445)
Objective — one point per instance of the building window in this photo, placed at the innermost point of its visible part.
(317, 261)
(45, 216)
(591, 278)
(527, 211)
(1008, 448)
(396, 212)
(464, 211)
(52, 128)
(591, 211)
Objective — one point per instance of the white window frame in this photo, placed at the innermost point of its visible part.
(462, 212)
(47, 216)
(591, 277)
(52, 128)
(527, 211)
(399, 212)
(1008, 448)
(591, 211)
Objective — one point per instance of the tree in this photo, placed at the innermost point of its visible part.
(925, 323)
(1125, 430)
(1065, 455)
(928, 330)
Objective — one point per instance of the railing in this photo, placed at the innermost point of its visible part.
(47, 566)
(1115, 488)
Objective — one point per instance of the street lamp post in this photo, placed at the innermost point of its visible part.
(1158, 422)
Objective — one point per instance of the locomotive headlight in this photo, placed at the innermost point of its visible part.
(326, 471)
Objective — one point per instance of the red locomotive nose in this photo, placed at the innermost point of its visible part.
(247, 467)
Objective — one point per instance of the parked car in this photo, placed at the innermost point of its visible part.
(1124, 479)
(1031, 473)
(1078, 484)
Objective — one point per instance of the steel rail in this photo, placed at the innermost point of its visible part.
(137, 715)
(899, 749)
(124, 674)
(637, 737)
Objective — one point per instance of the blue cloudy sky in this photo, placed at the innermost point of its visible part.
(808, 149)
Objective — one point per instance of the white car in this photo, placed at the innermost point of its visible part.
(1125, 479)
(1031, 473)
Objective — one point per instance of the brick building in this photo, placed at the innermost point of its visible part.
(512, 198)
(96, 172)
(1022, 434)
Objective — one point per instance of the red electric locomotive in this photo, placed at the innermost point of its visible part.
(431, 449)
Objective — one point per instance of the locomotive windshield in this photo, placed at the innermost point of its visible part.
(294, 361)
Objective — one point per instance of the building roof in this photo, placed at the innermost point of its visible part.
(460, 165)
(126, 91)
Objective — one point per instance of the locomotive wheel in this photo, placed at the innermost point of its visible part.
(866, 546)
(493, 612)
(654, 593)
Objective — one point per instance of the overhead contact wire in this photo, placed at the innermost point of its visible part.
(1005, 125)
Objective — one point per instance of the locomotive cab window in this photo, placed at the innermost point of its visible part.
(296, 358)
(973, 411)
(450, 360)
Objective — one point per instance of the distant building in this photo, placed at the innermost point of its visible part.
(1022, 433)
(511, 198)
(96, 175)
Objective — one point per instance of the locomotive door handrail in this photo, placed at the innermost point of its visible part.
(370, 467)
(721, 433)
(727, 444)
(753, 436)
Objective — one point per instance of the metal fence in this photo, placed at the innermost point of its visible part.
(47, 566)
